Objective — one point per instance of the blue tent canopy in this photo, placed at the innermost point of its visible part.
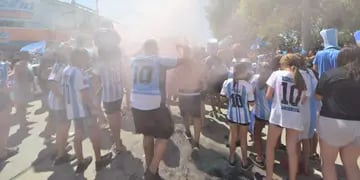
(35, 48)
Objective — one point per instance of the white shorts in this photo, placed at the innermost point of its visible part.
(338, 132)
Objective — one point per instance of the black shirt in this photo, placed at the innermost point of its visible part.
(341, 95)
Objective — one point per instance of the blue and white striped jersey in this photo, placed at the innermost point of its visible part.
(56, 103)
(148, 81)
(4, 69)
(111, 80)
(311, 106)
(73, 81)
(262, 105)
(239, 95)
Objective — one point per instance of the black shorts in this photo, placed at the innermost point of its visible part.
(112, 107)
(260, 119)
(5, 101)
(156, 123)
(190, 105)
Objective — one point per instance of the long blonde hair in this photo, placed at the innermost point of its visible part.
(292, 61)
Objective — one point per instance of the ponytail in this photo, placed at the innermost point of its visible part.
(299, 79)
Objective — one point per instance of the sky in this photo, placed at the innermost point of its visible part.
(140, 19)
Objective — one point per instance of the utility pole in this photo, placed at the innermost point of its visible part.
(306, 25)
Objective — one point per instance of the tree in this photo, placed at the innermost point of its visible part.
(269, 19)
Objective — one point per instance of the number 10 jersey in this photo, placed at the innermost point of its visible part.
(285, 108)
(148, 81)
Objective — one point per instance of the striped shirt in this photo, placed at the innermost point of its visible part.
(111, 81)
(73, 81)
(148, 77)
(56, 103)
(262, 105)
(239, 96)
(4, 69)
(311, 106)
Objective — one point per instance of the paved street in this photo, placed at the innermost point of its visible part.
(34, 159)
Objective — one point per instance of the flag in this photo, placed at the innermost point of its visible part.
(35, 48)
(357, 37)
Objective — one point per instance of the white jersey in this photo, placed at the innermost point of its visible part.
(262, 105)
(111, 81)
(286, 102)
(310, 108)
(73, 81)
(56, 103)
(239, 95)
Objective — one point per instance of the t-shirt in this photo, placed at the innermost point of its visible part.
(326, 60)
(148, 81)
(4, 69)
(239, 95)
(311, 107)
(56, 103)
(262, 105)
(286, 102)
(341, 97)
(73, 81)
(111, 80)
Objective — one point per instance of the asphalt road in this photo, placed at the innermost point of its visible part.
(33, 162)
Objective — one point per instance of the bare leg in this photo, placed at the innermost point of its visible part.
(4, 130)
(62, 132)
(349, 156)
(159, 151)
(274, 132)
(328, 157)
(95, 140)
(148, 144)
(242, 132)
(306, 155)
(197, 129)
(78, 143)
(314, 143)
(187, 123)
(233, 137)
(259, 125)
(115, 125)
(292, 139)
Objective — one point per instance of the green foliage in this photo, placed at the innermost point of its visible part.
(276, 20)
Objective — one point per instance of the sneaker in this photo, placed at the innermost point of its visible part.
(281, 148)
(315, 157)
(119, 150)
(82, 166)
(258, 176)
(148, 175)
(10, 152)
(232, 162)
(66, 158)
(188, 135)
(196, 147)
(246, 167)
(104, 161)
(256, 162)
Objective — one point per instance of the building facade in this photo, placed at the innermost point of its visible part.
(24, 21)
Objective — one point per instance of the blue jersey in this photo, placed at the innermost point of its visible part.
(56, 103)
(148, 81)
(111, 81)
(73, 82)
(4, 69)
(262, 105)
(239, 95)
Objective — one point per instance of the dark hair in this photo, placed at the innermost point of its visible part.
(264, 75)
(292, 60)
(353, 67)
(241, 67)
(275, 62)
(79, 56)
(346, 55)
(150, 46)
